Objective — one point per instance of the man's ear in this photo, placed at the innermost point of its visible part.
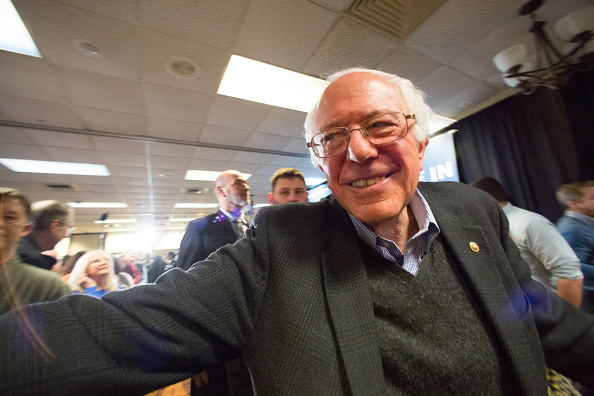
(422, 147)
(270, 199)
(26, 229)
(219, 190)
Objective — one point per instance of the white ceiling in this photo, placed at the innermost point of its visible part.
(125, 110)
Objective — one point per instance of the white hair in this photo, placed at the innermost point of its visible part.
(81, 268)
(413, 97)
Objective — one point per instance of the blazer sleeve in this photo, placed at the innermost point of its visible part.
(136, 340)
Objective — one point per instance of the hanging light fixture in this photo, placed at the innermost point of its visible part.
(553, 66)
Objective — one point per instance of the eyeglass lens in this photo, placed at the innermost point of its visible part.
(379, 129)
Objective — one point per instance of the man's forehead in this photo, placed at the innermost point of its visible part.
(288, 182)
(360, 95)
(12, 205)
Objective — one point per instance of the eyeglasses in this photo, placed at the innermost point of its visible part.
(380, 129)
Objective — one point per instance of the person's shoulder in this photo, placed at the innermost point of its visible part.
(452, 191)
(294, 211)
(38, 275)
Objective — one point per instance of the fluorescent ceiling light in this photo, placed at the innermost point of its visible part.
(260, 206)
(207, 175)
(97, 205)
(114, 221)
(14, 36)
(190, 205)
(260, 82)
(60, 168)
(314, 181)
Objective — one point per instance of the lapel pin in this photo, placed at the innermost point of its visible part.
(474, 247)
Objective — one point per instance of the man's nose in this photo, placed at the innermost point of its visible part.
(360, 149)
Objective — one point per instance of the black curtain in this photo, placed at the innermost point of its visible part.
(528, 143)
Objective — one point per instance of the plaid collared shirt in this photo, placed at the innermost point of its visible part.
(416, 246)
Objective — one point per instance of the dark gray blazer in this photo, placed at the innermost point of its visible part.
(292, 297)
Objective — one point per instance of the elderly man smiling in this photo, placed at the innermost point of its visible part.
(386, 287)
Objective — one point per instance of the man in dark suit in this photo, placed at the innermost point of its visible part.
(204, 236)
(52, 222)
(381, 288)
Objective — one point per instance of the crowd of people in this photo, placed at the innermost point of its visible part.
(387, 286)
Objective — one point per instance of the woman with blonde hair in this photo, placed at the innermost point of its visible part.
(93, 274)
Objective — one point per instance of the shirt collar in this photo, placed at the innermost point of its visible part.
(582, 217)
(421, 211)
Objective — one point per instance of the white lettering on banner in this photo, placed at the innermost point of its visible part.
(439, 172)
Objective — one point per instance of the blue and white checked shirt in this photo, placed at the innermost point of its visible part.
(416, 246)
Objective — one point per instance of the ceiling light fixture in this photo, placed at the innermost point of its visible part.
(58, 168)
(553, 66)
(14, 36)
(263, 83)
(207, 175)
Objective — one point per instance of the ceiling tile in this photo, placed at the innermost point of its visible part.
(225, 136)
(100, 91)
(134, 160)
(408, 63)
(283, 122)
(253, 158)
(72, 155)
(350, 44)
(211, 22)
(159, 50)
(283, 33)
(59, 139)
(58, 27)
(29, 77)
(283, 161)
(174, 129)
(172, 150)
(14, 135)
(295, 146)
(444, 83)
(126, 10)
(111, 121)
(117, 145)
(38, 112)
(445, 34)
(177, 104)
(22, 151)
(265, 141)
(236, 113)
(158, 161)
(207, 153)
(209, 165)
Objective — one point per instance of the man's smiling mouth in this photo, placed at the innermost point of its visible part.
(367, 182)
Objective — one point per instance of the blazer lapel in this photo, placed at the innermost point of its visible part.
(349, 302)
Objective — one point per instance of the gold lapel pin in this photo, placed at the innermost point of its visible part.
(474, 247)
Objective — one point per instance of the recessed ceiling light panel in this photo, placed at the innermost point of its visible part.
(58, 168)
(260, 82)
(14, 36)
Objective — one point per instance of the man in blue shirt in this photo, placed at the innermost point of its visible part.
(577, 227)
